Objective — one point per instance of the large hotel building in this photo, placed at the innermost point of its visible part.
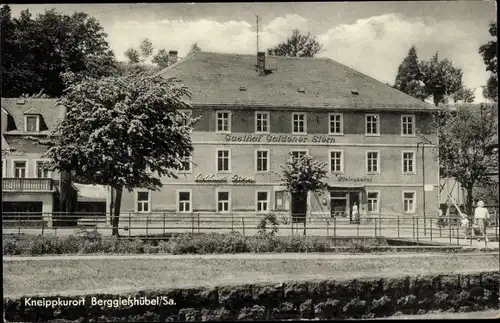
(256, 110)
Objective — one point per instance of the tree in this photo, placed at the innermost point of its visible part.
(195, 48)
(490, 58)
(467, 136)
(464, 95)
(146, 49)
(441, 78)
(121, 132)
(132, 55)
(301, 176)
(434, 78)
(161, 58)
(409, 77)
(297, 45)
(36, 51)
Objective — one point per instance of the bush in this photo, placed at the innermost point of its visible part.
(262, 244)
(11, 246)
(269, 221)
(71, 244)
(205, 244)
(45, 245)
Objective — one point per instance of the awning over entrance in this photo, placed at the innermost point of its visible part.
(346, 186)
(91, 193)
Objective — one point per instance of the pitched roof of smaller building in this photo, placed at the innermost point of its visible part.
(17, 108)
(231, 79)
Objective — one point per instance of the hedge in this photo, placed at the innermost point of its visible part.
(86, 242)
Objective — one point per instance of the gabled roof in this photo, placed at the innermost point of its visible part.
(216, 79)
(49, 110)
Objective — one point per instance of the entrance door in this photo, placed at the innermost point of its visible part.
(354, 199)
(338, 203)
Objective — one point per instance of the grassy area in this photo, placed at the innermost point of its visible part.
(68, 276)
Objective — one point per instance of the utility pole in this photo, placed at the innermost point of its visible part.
(423, 183)
(258, 18)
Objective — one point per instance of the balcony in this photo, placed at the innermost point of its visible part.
(27, 185)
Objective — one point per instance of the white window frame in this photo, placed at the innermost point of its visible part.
(37, 127)
(341, 151)
(183, 114)
(414, 202)
(268, 120)
(368, 202)
(217, 161)
(412, 125)
(13, 161)
(378, 124)
(267, 201)
(268, 162)
(190, 170)
(299, 150)
(177, 200)
(4, 168)
(414, 162)
(35, 167)
(330, 115)
(142, 202)
(229, 117)
(229, 204)
(305, 123)
(378, 161)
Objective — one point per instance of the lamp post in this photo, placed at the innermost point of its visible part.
(422, 144)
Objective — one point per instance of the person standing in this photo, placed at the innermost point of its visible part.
(355, 213)
(481, 217)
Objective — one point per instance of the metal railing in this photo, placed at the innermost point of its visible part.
(445, 230)
(27, 184)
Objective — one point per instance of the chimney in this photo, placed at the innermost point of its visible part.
(261, 63)
(172, 57)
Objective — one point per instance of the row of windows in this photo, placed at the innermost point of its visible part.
(20, 168)
(373, 202)
(185, 202)
(299, 123)
(336, 161)
(262, 204)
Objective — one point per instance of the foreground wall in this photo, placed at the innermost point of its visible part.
(320, 299)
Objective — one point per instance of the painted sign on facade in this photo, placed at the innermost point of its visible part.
(213, 178)
(279, 138)
(359, 179)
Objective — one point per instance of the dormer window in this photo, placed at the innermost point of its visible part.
(32, 123)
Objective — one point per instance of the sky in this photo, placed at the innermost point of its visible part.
(371, 37)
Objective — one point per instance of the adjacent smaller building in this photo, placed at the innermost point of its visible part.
(28, 185)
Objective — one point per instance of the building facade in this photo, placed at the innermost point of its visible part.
(255, 111)
(28, 185)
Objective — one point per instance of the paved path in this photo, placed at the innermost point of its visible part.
(250, 256)
(491, 314)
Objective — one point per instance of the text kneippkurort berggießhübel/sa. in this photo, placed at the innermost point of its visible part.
(48, 302)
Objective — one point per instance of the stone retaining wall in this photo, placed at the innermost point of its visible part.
(365, 298)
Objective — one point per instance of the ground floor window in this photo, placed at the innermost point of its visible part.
(184, 201)
(373, 201)
(143, 201)
(281, 200)
(262, 201)
(223, 201)
(409, 202)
